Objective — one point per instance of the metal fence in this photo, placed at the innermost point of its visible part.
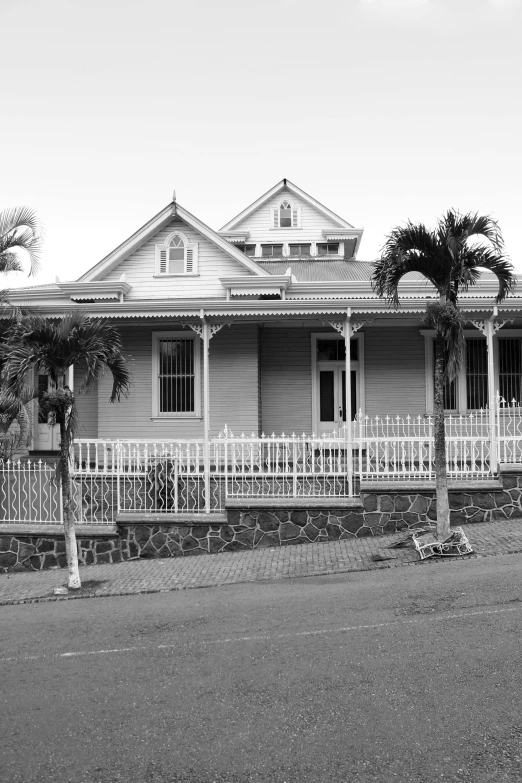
(30, 492)
(196, 477)
(393, 448)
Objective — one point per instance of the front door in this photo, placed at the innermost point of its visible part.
(330, 386)
(47, 437)
(332, 398)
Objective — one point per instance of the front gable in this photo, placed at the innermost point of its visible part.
(287, 214)
(175, 255)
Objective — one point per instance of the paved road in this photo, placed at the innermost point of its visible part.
(406, 674)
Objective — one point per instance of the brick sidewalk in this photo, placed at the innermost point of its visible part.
(333, 557)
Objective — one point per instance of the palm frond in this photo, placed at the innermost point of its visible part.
(20, 228)
(408, 249)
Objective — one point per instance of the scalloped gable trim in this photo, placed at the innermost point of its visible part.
(156, 223)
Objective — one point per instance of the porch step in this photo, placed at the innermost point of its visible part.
(456, 485)
(328, 502)
(34, 529)
(154, 519)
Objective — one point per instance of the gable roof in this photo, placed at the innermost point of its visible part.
(286, 184)
(172, 210)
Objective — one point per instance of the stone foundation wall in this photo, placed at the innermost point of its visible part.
(380, 510)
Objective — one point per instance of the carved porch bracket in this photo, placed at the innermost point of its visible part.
(198, 328)
(499, 324)
(337, 325)
(356, 325)
(481, 325)
(214, 329)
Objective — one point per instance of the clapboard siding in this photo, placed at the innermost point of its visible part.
(213, 263)
(233, 377)
(286, 380)
(86, 407)
(131, 418)
(313, 222)
(394, 371)
(234, 370)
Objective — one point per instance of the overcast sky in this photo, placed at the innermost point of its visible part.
(382, 109)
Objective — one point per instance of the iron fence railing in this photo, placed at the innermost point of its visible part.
(197, 477)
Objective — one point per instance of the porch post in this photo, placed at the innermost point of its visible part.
(205, 333)
(490, 331)
(348, 399)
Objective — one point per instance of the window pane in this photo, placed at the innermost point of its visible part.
(321, 249)
(272, 250)
(176, 376)
(330, 350)
(250, 250)
(285, 218)
(176, 267)
(476, 374)
(326, 395)
(299, 250)
(510, 369)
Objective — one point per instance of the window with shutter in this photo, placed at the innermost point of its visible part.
(286, 215)
(176, 257)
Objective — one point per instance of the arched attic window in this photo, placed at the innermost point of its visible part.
(177, 256)
(286, 215)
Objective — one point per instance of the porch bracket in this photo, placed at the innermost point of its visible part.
(339, 325)
(497, 325)
(198, 328)
(214, 329)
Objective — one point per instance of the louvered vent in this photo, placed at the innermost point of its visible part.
(275, 218)
(295, 218)
(163, 262)
(190, 260)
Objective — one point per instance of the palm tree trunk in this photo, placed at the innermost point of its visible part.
(68, 516)
(441, 476)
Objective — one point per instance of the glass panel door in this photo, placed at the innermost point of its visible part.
(46, 437)
(332, 398)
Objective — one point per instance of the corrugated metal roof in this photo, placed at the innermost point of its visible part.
(310, 271)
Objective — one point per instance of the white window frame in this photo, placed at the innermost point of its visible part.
(429, 364)
(355, 365)
(156, 337)
(275, 213)
(190, 259)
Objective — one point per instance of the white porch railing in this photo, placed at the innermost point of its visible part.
(195, 477)
(397, 447)
(286, 467)
(509, 431)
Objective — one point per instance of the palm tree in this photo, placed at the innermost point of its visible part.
(451, 263)
(19, 230)
(35, 343)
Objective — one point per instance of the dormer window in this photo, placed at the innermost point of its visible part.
(328, 249)
(177, 256)
(286, 215)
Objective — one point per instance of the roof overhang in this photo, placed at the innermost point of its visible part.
(251, 286)
(236, 237)
(96, 290)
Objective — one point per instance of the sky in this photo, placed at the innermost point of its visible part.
(383, 110)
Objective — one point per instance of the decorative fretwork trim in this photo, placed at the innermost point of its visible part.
(497, 325)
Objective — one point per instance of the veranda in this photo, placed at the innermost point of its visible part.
(174, 479)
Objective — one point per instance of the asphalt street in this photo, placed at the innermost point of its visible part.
(406, 674)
